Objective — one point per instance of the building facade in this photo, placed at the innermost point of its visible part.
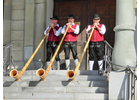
(24, 22)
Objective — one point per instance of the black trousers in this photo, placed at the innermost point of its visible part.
(70, 46)
(51, 48)
(96, 49)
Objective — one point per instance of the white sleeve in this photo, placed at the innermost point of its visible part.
(89, 28)
(103, 29)
(58, 32)
(77, 30)
(63, 29)
(46, 31)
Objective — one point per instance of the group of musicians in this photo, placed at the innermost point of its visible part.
(96, 45)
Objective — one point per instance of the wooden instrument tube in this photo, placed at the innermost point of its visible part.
(43, 74)
(71, 74)
(14, 72)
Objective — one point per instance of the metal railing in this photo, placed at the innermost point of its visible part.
(132, 80)
(132, 85)
(108, 55)
(129, 69)
(7, 63)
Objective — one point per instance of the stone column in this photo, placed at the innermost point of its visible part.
(39, 31)
(124, 52)
(7, 24)
(49, 11)
(7, 21)
(29, 31)
(17, 31)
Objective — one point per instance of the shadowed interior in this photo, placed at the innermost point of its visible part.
(40, 72)
(70, 74)
(13, 73)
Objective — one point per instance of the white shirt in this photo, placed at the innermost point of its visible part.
(76, 30)
(58, 32)
(103, 29)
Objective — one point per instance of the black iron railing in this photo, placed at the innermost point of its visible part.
(7, 63)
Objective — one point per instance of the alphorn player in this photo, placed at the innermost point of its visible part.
(70, 40)
(53, 40)
(96, 45)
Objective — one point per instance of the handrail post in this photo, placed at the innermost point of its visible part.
(5, 65)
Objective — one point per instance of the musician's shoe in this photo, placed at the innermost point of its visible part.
(101, 71)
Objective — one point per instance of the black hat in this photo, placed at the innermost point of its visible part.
(54, 17)
(96, 16)
(70, 16)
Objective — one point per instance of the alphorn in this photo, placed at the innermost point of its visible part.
(41, 72)
(14, 72)
(71, 74)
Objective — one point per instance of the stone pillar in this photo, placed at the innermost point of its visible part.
(7, 24)
(17, 31)
(7, 21)
(124, 52)
(29, 31)
(39, 31)
(49, 11)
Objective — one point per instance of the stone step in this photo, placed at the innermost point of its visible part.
(49, 96)
(61, 72)
(58, 78)
(55, 99)
(88, 85)
(55, 90)
(55, 84)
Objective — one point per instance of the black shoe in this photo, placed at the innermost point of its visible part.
(101, 71)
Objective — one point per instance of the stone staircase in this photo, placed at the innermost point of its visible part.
(88, 85)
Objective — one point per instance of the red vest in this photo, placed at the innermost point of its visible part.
(70, 35)
(96, 36)
(52, 36)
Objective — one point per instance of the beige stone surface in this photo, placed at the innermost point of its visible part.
(7, 2)
(29, 22)
(39, 1)
(6, 31)
(17, 14)
(18, 4)
(17, 55)
(17, 25)
(39, 29)
(17, 35)
(18, 45)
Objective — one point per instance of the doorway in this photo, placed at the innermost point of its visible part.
(84, 10)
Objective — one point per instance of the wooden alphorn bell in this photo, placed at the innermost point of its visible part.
(71, 74)
(41, 72)
(14, 72)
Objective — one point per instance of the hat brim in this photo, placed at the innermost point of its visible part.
(54, 18)
(96, 17)
(70, 17)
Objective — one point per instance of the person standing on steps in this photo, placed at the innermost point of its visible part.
(70, 40)
(96, 45)
(53, 41)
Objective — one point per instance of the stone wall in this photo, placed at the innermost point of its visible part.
(24, 23)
